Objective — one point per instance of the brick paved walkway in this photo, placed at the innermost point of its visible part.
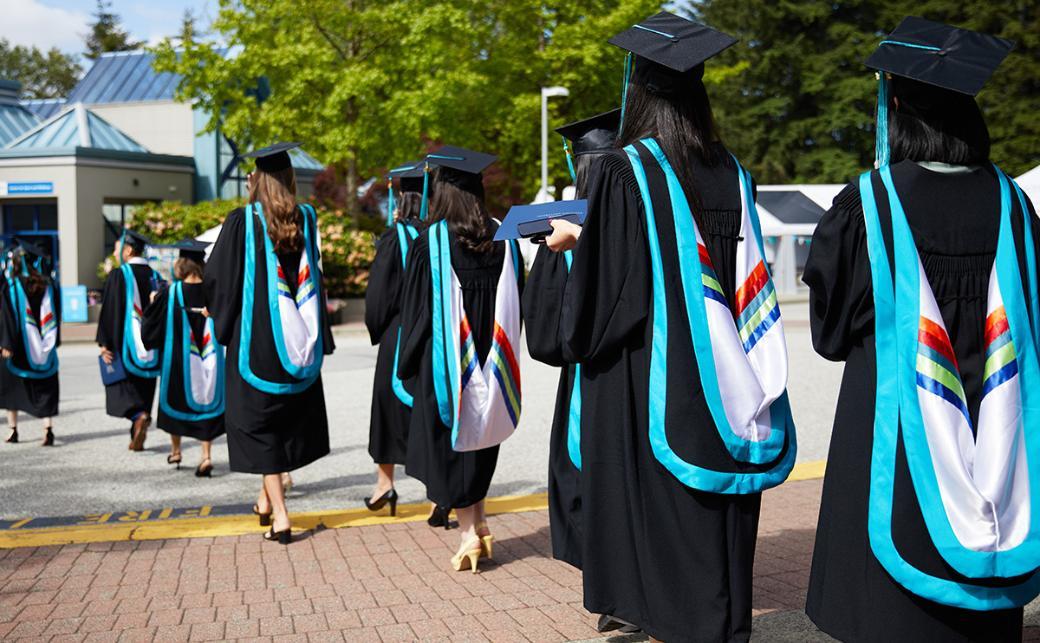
(378, 583)
(385, 582)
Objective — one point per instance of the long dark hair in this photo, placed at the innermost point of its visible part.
(464, 210)
(582, 166)
(935, 124)
(408, 206)
(276, 192)
(35, 282)
(674, 109)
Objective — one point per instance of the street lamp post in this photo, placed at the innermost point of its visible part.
(547, 92)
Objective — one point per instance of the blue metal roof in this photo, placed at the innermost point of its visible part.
(124, 77)
(76, 126)
(15, 121)
(44, 107)
(303, 161)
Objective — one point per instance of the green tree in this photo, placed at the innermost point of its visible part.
(367, 84)
(43, 74)
(107, 33)
(802, 107)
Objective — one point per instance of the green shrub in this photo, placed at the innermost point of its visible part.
(347, 252)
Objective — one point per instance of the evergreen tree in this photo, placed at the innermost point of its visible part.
(107, 33)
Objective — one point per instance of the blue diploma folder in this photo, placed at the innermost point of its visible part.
(533, 220)
(112, 373)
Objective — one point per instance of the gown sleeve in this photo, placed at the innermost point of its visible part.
(109, 309)
(382, 298)
(416, 316)
(607, 293)
(841, 307)
(8, 332)
(542, 304)
(223, 277)
(153, 326)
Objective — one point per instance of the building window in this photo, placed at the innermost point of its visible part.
(30, 217)
(115, 215)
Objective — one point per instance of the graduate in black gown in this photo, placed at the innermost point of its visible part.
(877, 574)
(670, 495)
(265, 258)
(459, 219)
(543, 299)
(391, 396)
(191, 391)
(30, 333)
(128, 289)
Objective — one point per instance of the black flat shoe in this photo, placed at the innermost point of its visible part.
(265, 519)
(13, 438)
(283, 537)
(441, 517)
(174, 459)
(48, 438)
(204, 469)
(388, 497)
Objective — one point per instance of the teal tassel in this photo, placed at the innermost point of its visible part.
(624, 89)
(881, 130)
(570, 162)
(390, 202)
(425, 192)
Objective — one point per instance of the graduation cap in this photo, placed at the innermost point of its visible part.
(30, 248)
(458, 166)
(592, 135)
(135, 240)
(670, 52)
(409, 176)
(952, 63)
(937, 54)
(192, 249)
(273, 157)
(673, 42)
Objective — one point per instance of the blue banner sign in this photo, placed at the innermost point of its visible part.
(27, 187)
(74, 304)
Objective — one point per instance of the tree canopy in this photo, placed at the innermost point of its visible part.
(43, 74)
(366, 85)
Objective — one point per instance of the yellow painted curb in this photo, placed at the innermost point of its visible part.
(241, 524)
(247, 524)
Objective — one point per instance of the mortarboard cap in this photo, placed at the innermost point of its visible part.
(533, 220)
(273, 157)
(30, 248)
(937, 54)
(410, 175)
(135, 240)
(592, 135)
(461, 167)
(673, 42)
(192, 249)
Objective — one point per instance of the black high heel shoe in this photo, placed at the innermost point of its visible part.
(283, 537)
(174, 459)
(388, 497)
(48, 438)
(13, 438)
(205, 469)
(441, 517)
(265, 519)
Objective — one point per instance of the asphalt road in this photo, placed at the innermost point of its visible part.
(90, 469)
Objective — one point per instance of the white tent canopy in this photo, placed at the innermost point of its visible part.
(1030, 184)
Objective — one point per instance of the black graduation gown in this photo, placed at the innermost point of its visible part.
(267, 433)
(388, 426)
(134, 394)
(153, 332)
(37, 397)
(954, 219)
(452, 478)
(675, 561)
(543, 300)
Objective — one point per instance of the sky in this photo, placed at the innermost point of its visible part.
(62, 23)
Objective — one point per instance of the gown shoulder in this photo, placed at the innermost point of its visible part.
(384, 286)
(224, 274)
(837, 272)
